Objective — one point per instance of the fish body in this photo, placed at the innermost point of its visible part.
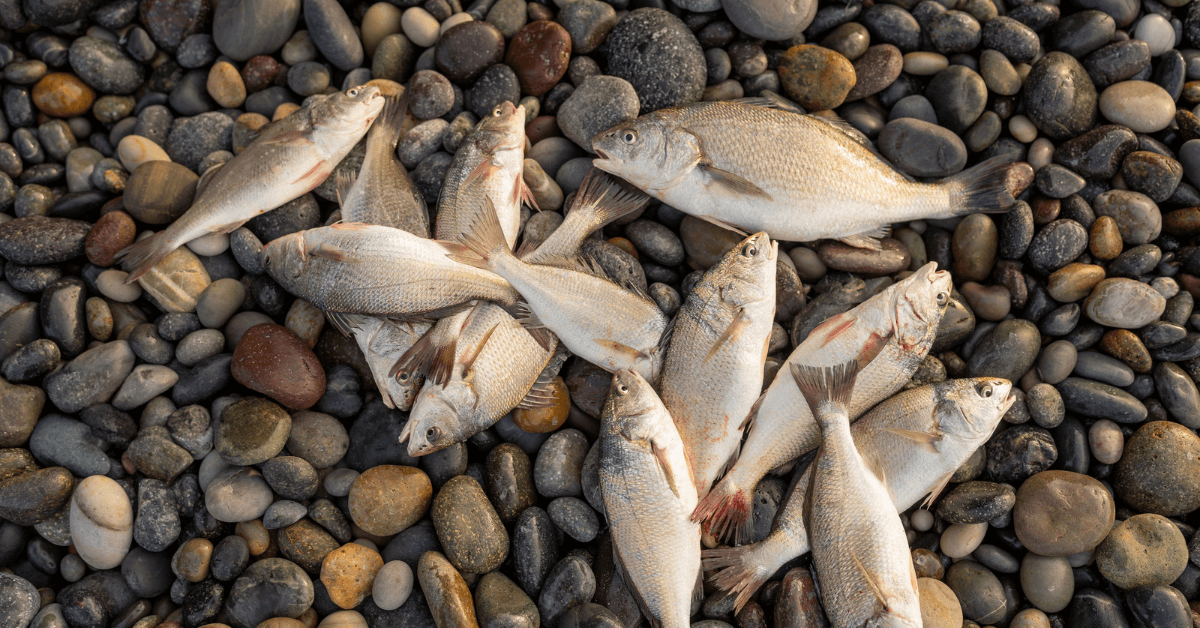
(859, 548)
(493, 155)
(647, 493)
(379, 271)
(957, 417)
(276, 168)
(382, 193)
(797, 177)
(495, 364)
(781, 427)
(713, 370)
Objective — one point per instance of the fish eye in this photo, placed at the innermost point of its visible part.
(352, 92)
(750, 250)
(496, 112)
(629, 136)
(942, 298)
(622, 389)
(403, 377)
(432, 433)
(985, 390)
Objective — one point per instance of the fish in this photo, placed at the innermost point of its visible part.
(747, 166)
(487, 367)
(913, 442)
(352, 268)
(281, 165)
(600, 200)
(864, 570)
(494, 155)
(382, 192)
(383, 341)
(781, 428)
(714, 366)
(647, 494)
(593, 317)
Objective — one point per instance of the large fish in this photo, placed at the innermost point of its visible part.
(859, 548)
(367, 269)
(593, 317)
(781, 428)
(913, 442)
(647, 493)
(489, 366)
(494, 154)
(714, 367)
(382, 192)
(797, 177)
(289, 159)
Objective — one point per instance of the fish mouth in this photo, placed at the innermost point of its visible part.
(605, 162)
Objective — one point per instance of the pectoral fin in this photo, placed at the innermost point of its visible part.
(331, 253)
(861, 241)
(869, 579)
(723, 181)
(731, 333)
(926, 440)
(661, 456)
(622, 349)
(485, 168)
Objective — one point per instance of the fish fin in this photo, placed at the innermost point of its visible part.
(331, 252)
(982, 188)
(345, 181)
(602, 199)
(752, 414)
(526, 247)
(874, 467)
(433, 354)
(541, 394)
(485, 240)
(937, 490)
(728, 182)
(759, 101)
(525, 194)
(526, 318)
(738, 575)
(391, 120)
(867, 239)
(725, 511)
(724, 225)
(345, 322)
(472, 353)
(485, 168)
(623, 349)
(664, 341)
(739, 323)
(925, 439)
(141, 256)
(698, 588)
(661, 456)
(350, 226)
(870, 579)
(825, 385)
(206, 177)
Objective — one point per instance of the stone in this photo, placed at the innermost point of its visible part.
(1138, 217)
(468, 527)
(500, 602)
(446, 591)
(92, 377)
(348, 573)
(1047, 581)
(307, 544)
(41, 240)
(656, 53)
(939, 605)
(101, 522)
(816, 77)
(1060, 97)
(922, 149)
(333, 33)
(19, 602)
(159, 191)
(251, 431)
(878, 68)
(393, 584)
(105, 67)
(19, 414)
(177, 281)
(464, 51)
(1008, 351)
(62, 95)
(1059, 513)
(774, 21)
(569, 583)
(1155, 473)
(239, 496)
(386, 499)
(978, 590)
(1124, 303)
(976, 502)
(1142, 106)
(270, 359)
(272, 587)
(597, 105)
(1144, 550)
(539, 54)
(559, 463)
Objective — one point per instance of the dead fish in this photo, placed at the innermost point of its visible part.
(494, 156)
(797, 177)
(913, 442)
(780, 427)
(382, 192)
(276, 168)
(383, 342)
(859, 548)
(714, 367)
(648, 495)
(367, 269)
(593, 317)
(600, 200)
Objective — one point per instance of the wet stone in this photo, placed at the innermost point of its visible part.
(1155, 473)
(535, 549)
(569, 583)
(976, 502)
(556, 472)
(1019, 452)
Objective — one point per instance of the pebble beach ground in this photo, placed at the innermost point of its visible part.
(202, 449)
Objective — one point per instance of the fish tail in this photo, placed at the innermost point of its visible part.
(725, 511)
(141, 256)
(743, 570)
(391, 120)
(483, 243)
(604, 200)
(982, 188)
(824, 387)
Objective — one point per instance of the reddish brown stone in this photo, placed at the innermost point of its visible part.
(816, 77)
(1045, 210)
(63, 95)
(1182, 222)
(538, 11)
(539, 54)
(169, 22)
(1018, 177)
(113, 232)
(259, 72)
(1125, 346)
(541, 128)
(270, 359)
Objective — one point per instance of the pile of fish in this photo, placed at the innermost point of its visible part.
(462, 329)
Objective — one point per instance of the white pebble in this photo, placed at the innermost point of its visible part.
(211, 244)
(112, 285)
(1157, 32)
(1041, 153)
(1166, 286)
(135, 150)
(344, 619)
(1106, 441)
(1022, 129)
(101, 522)
(393, 585)
(455, 20)
(1142, 106)
(239, 324)
(921, 520)
(961, 539)
(1082, 559)
(214, 468)
(339, 480)
(419, 26)
(80, 163)
(219, 301)
(924, 63)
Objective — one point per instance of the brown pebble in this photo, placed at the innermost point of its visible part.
(816, 77)
(542, 127)
(270, 359)
(1045, 210)
(1182, 222)
(1074, 281)
(1125, 346)
(1018, 178)
(112, 233)
(974, 246)
(705, 242)
(281, 622)
(1059, 513)
(158, 192)
(306, 544)
(624, 245)
(62, 95)
(225, 85)
(348, 573)
(259, 72)
(388, 498)
(892, 257)
(548, 418)
(256, 536)
(446, 592)
(990, 303)
(927, 564)
(1105, 239)
(192, 559)
(539, 54)
(537, 11)
(798, 605)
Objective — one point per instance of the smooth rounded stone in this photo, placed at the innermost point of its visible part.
(430, 95)
(599, 104)
(468, 527)
(158, 192)
(535, 548)
(199, 346)
(959, 540)
(1008, 351)
(1059, 513)
(1097, 153)
(891, 257)
(306, 543)
(953, 32)
(144, 383)
(466, 50)
(539, 54)
(147, 574)
(112, 232)
(63, 95)
(922, 149)
(283, 513)
(318, 438)
(19, 414)
(1124, 303)
(1156, 176)
(816, 77)
(273, 587)
(1059, 96)
(1144, 550)
(251, 431)
(876, 69)
(348, 573)
(156, 526)
(135, 150)
(656, 53)
(333, 33)
(177, 282)
(914, 106)
(386, 499)
(101, 522)
(270, 359)
(500, 602)
(239, 496)
(291, 477)
(1057, 361)
(1178, 394)
(978, 590)
(556, 473)
(958, 95)
(1057, 181)
(976, 502)
(1140, 105)
(19, 602)
(1047, 581)
(991, 557)
(91, 378)
(1103, 368)
(230, 558)
(1099, 400)
(509, 481)
(569, 583)
(1137, 216)
(1074, 281)
(588, 23)
(338, 481)
(41, 240)
(31, 361)
(656, 242)
(105, 67)
(1045, 405)
(148, 345)
(574, 517)
(192, 560)
(1056, 245)
(1152, 475)
(445, 590)
(939, 605)
(392, 585)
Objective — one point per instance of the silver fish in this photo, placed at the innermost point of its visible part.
(366, 269)
(276, 168)
(494, 154)
(797, 177)
(383, 342)
(714, 367)
(913, 442)
(864, 569)
(382, 193)
(781, 428)
(644, 481)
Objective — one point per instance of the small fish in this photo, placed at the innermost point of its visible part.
(367, 269)
(593, 317)
(279, 166)
(494, 155)
(913, 442)
(382, 193)
(780, 428)
(600, 200)
(714, 367)
(797, 177)
(859, 548)
(383, 342)
(647, 493)
(480, 373)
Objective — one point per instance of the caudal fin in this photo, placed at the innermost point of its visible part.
(602, 199)
(982, 188)
(141, 256)
(389, 123)
(484, 242)
(826, 386)
(725, 511)
(741, 571)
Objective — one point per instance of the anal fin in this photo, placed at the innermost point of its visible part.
(344, 322)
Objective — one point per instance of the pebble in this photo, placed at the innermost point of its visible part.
(1152, 475)
(656, 53)
(101, 522)
(251, 431)
(272, 360)
(392, 586)
(1144, 550)
(556, 472)
(979, 591)
(599, 104)
(1140, 105)
(446, 591)
(1059, 97)
(271, 587)
(348, 573)
(939, 605)
(1047, 581)
(569, 583)
(1124, 303)
(386, 499)
(239, 496)
(816, 77)
(465, 51)
(1059, 513)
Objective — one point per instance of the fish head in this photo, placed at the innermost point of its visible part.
(920, 301)
(402, 388)
(631, 406)
(502, 129)
(286, 258)
(350, 112)
(437, 417)
(971, 408)
(647, 152)
(747, 270)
